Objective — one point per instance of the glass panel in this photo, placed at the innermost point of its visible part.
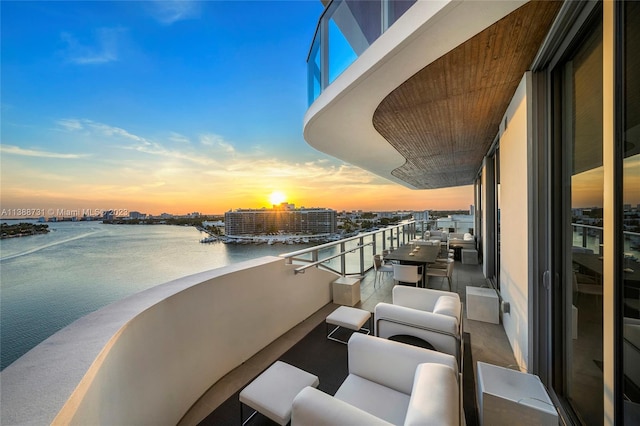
(631, 212)
(398, 8)
(341, 55)
(313, 71)
(367, 23)
(583, 195)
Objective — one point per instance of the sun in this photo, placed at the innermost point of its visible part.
(276, 198)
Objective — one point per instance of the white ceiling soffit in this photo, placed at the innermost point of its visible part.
(339, 122)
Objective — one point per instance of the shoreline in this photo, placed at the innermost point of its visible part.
(286, 239)
(22, 229)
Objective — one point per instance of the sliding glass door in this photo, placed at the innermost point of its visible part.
(577, 245)
(629, 216)
(588, 151)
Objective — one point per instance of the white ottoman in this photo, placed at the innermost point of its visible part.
(346, 291)
(347, 317)
(469, 257)
(273, 391)
(482, 304)
(505, 395)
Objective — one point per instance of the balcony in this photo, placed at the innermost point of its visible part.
(150, 357)
(344, 31)
(420, 103)
(488, 344)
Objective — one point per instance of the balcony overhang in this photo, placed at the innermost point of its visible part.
(423, 103)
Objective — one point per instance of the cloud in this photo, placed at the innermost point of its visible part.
(168, 12)
(74, 124)
(215, 158)
(217, 141)
(246, 168)
(177, 137)
(16, 150)
(70, 124)
(124, 139)
(112, 131)
(102, 49)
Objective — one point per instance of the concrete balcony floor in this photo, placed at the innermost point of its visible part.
(488, 341)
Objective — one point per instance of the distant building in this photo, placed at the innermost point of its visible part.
(387, 215)
(422, 215)
(137, 215)
(283, 218)
(217, 223)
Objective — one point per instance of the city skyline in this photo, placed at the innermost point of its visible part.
(171, 106)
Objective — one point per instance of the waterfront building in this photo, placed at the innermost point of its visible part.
(284, 218)
(421, 215)
(535, 103)
(137, 215)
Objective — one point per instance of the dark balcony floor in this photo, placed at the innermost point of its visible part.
(488, 341)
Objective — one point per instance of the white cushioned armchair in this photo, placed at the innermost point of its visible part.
(434, 316)
(388, 383)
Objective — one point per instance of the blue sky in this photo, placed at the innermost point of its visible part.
(165, 106)
(232, 68)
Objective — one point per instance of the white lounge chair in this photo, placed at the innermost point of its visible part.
(434, 316)
(388, 383)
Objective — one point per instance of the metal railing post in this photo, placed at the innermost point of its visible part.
(343, 260)
(375, 246)
(361, 242)
(384, 15)
(324, 53)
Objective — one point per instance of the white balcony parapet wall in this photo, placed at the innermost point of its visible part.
(339, 122)
(147, 358)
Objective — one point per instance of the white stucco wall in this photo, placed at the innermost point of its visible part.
(485, 221)
(514, 216)
(147, 358)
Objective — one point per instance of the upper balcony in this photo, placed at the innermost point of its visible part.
(344, 31)
(416, 91)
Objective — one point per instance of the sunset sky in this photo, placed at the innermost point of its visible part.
(171, 107)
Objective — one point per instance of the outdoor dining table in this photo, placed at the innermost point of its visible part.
(406, 256)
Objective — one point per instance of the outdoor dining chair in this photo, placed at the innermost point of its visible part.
(407, 274)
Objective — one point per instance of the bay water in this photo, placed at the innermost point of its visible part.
(48, 281)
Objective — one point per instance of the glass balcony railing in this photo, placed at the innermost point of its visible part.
(354, 255)
(590, 238)
(345, 29)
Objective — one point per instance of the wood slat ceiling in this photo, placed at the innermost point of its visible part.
(444, 118)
